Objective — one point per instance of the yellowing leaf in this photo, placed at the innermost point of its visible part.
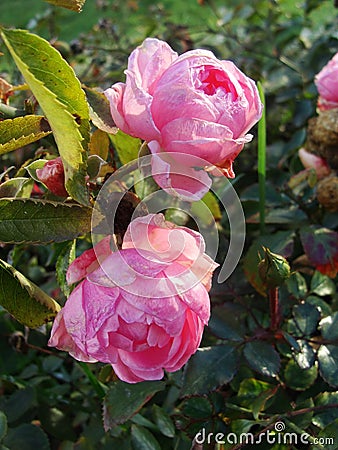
(15, 133)
(23, 299)
(74, 5)
(58, 91)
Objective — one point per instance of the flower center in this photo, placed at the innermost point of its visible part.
(213, 81)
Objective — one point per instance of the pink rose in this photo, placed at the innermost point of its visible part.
(141, 310)
(327, 84)
(312, 161)
(53, 176)
(193, 104)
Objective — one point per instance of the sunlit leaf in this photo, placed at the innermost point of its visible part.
(23, 299)
(328, 363)
(61, 98)
(17, 187)
(100, 113)
(297, 378)
(262, 357)
(21, 131)
(127, 147)
(41, 221)
(198, 379)
(74, 5)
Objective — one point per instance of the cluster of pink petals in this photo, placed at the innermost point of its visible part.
(188, 105)
(327, 84)
(141, 309)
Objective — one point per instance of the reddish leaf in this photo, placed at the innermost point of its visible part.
(321, 247)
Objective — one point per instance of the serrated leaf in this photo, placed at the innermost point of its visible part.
(27, 437)
(21, 131)
(306, 318)
(322, 285)
(64, 260)
(3, 425)
(304, 355)
(74, 5)
(163, 421)
(321, 247)
(124, 400)
(100, 113)
(58, 91)
(328, 363)
(329, 327)
(33, 220)
(33, 166)
(99, 144)
(323, 418)
(127, 147)
(296, 285)
(143, 439)
(23, 299)
(16, 187)
(262, 357)
(225, 324)
(297, 378)
(199, 379)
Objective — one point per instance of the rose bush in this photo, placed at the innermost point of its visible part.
(142, 311)
(327, 84)
(193, 104)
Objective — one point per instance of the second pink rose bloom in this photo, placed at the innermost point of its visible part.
(192, 105)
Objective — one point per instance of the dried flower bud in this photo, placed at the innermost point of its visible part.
(327, 193)
(53, 176)
(273, 269)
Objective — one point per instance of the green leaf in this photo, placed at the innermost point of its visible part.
(225, 324)
(27, 437)
(65, 258)
(329, 436)
(296, 285)
(74, 5)
(21, 131)
(306, 318)
(322, 285)
(143, 439)
(18, 187)
(62, 100)
(329, 327)
(262, 357)
(328, 363)
(3, 425)
(33, 166)
(329, 402)
(23, 299)
(299, 379)
(250, 388)
(209, 368)
(196, 407)
(26, 398)
(127, 147)
(100, 113)
(304, 355)
(163, 421)
(123, 400)
(34, 220)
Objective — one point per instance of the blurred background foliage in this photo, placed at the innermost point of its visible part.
(254, 378)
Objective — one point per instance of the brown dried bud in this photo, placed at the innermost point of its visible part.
(323, 136)
(327, 193)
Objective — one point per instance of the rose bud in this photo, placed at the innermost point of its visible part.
(52, 175)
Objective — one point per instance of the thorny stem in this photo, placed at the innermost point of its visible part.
(274, 308)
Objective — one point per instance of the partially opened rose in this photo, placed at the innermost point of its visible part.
(193, 104)
(327, 84)
(141, 311)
